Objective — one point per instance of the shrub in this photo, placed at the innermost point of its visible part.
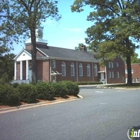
(45, 91)
(60, 89)
(72, 87)
(88, 83)
(8, 95)
(76, 89)
(15, 85)
(27, 93)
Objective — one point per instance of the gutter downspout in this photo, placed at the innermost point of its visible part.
(106, 74)
(92, 73)
(50, 71)
(77, 71)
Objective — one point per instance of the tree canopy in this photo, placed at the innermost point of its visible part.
(135, 59)
(115, 30)
(19, 17)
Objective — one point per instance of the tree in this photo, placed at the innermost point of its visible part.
(135, 59)
(79, 47)
(7, 67)
(116, 28)
(24, 16)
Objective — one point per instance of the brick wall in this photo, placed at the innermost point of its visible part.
(76, 77)
(118, 67)
(43, 71)
(135, 72)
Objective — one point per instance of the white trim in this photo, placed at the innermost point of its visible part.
(21, 76)
(95, 70)
(77, 71)
(15, 70)
(27, 69)
(88, 70)
(80, 69)
(70, 59)
(21, 52)
(72, 69)
(63, 68)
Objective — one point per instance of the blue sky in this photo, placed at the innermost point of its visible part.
(69, 31)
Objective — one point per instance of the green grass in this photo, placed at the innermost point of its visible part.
(134, 85)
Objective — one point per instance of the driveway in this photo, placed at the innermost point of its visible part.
(103, 114)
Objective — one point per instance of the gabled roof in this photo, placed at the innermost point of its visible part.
(27, 52)
(68, 54)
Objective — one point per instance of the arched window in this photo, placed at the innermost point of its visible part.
(118, 75)
(95, 70)
(63, 67)
(80, 69)
(117, 64)
(72, 69)
(112, 74)
(111, 64)
(109, 74)
(88, 69)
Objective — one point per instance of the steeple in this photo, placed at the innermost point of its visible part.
(39, 37)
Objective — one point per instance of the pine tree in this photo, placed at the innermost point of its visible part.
(116, 28)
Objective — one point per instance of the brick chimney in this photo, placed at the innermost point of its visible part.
(83, 48)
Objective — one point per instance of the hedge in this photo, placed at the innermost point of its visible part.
(88, 83)
(72, 88)
(45, 91)
(27, 93)
(60, 89)
(14, 94)
(8, 95)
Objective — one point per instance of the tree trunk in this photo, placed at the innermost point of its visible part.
(33, 51)
(129, 75)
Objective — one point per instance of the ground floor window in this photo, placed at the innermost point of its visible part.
(137, 80)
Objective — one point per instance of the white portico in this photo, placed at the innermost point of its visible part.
(21, 65)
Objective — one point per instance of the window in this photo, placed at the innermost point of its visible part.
(117, 64)
(126, 71)
(131, 70)
(118, 75)
(80, 69)
(112, 74)
(95, 70)
(53, 64)
(109, 74)
(63, 67)
(137, 80)
(88, 69)
(72, 69)
(110, 64)
(132, 80)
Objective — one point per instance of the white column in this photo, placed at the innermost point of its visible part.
(21, 68)
(27, 69)
(15, 70)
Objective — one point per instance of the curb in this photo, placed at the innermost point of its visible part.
(105, 87)
(34, 105)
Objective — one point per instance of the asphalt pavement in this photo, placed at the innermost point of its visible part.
(102, 114)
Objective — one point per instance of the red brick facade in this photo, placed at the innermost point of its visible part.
(135, 72)
(76, 77)
(116, 74)
(91, 71)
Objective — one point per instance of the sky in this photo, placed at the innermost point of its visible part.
(69, 31)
